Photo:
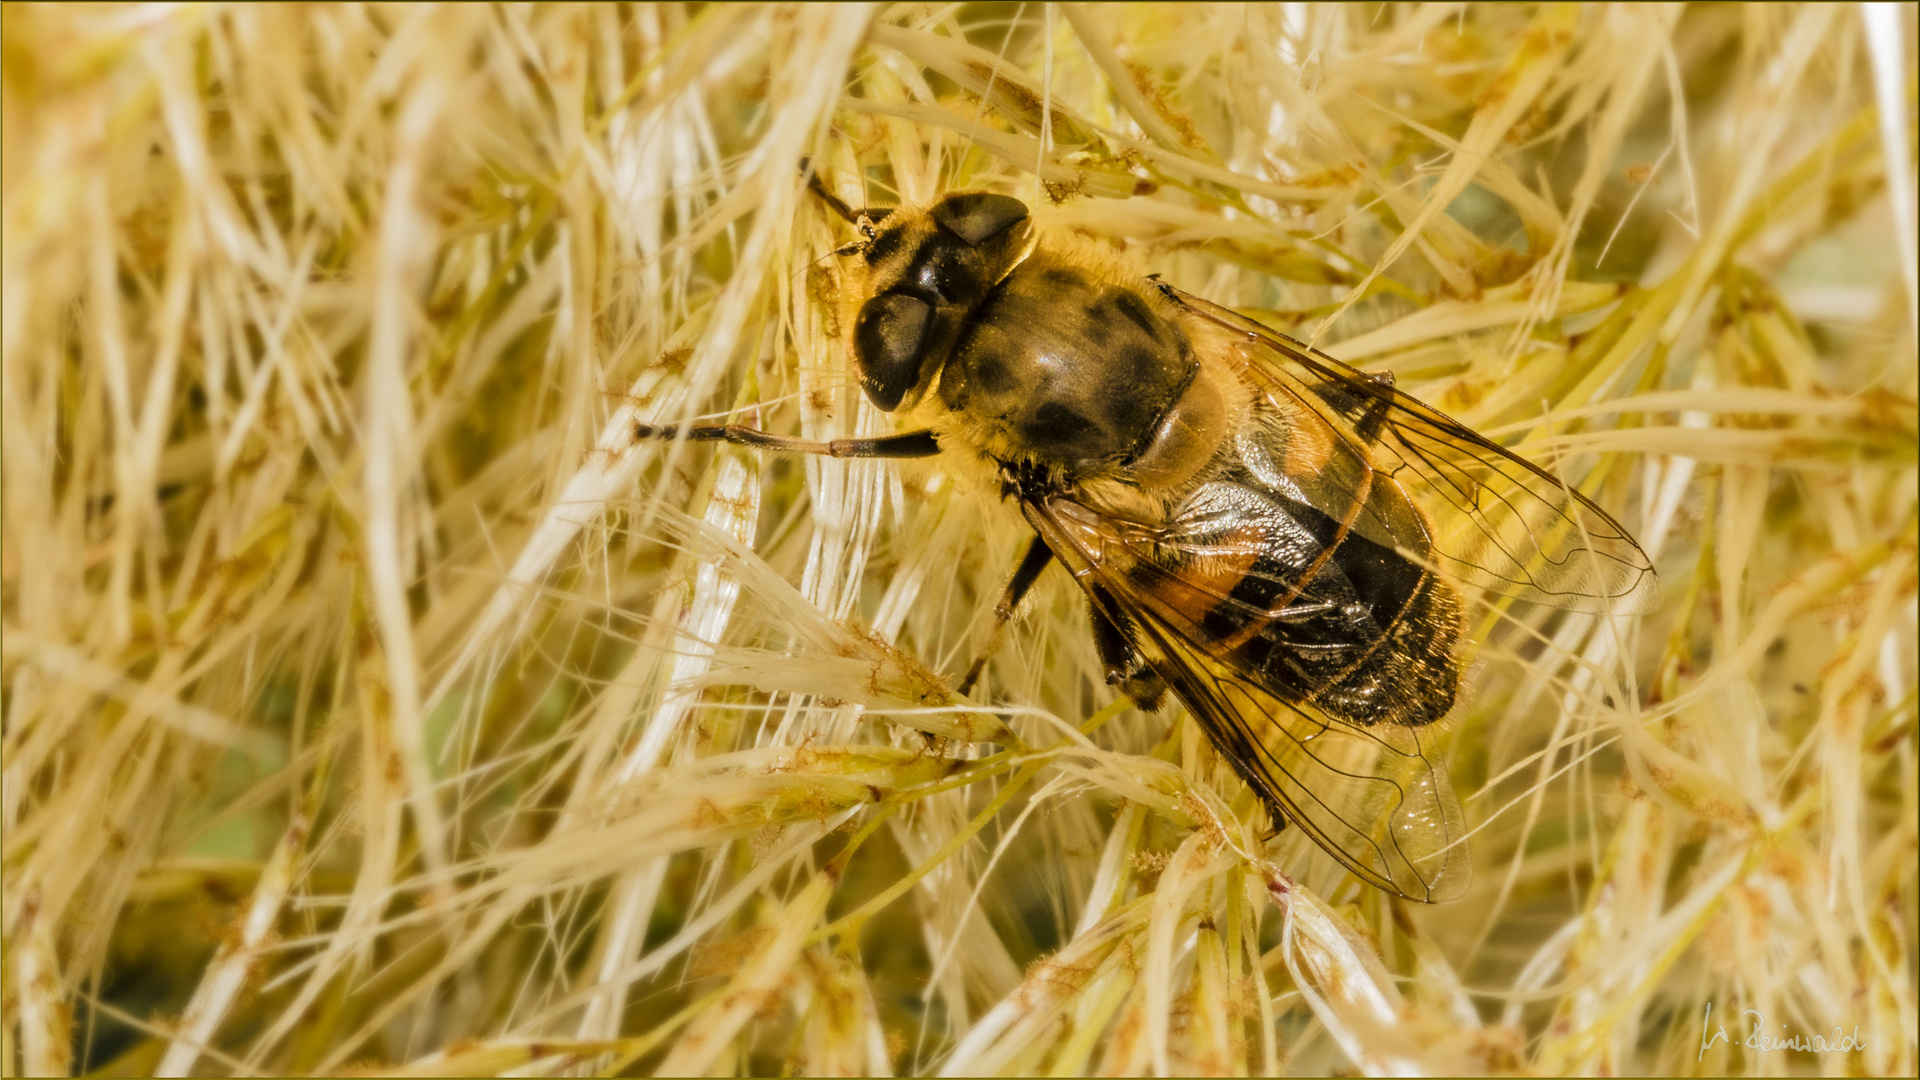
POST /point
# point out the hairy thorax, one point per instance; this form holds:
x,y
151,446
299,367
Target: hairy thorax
x,y
1076,368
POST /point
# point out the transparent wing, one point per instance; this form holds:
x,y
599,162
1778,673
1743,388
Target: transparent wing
x,y
1368,795
1318,590
1500,523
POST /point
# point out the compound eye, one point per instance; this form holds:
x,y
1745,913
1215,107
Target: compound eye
x,y
889,339
979,216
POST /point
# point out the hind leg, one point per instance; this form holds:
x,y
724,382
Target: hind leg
x,y
1035,560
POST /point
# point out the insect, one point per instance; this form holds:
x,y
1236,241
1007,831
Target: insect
x,y
1283,541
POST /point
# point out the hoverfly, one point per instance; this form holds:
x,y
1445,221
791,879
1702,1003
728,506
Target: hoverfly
x,y
1280,539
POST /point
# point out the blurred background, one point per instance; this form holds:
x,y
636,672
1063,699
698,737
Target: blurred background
x,y
373,702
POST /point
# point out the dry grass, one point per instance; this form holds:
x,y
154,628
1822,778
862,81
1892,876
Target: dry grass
x,y
371,702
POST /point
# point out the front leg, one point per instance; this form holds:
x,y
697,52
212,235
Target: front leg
x,y
907,444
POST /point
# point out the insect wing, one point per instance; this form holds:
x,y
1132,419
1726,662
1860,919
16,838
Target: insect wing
x,y
1369,796
1515,529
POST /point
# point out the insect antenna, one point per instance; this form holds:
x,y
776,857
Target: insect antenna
x,y
834,202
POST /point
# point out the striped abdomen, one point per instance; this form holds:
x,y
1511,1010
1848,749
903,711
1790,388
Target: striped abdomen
x,y
1359,629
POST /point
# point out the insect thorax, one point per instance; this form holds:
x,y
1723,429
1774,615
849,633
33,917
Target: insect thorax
x,y
1066,367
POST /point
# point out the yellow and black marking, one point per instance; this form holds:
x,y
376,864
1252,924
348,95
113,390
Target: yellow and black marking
x,y
1244,513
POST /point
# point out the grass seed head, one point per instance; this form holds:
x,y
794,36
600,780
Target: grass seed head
x,y
374,700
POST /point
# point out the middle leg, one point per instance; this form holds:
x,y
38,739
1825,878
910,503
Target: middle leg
x,y
1035,560
1126,668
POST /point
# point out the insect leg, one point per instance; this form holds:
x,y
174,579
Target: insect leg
x,y
1113,639
1035,560
907,444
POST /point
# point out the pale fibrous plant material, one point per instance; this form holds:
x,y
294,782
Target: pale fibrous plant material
x,y
375,701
